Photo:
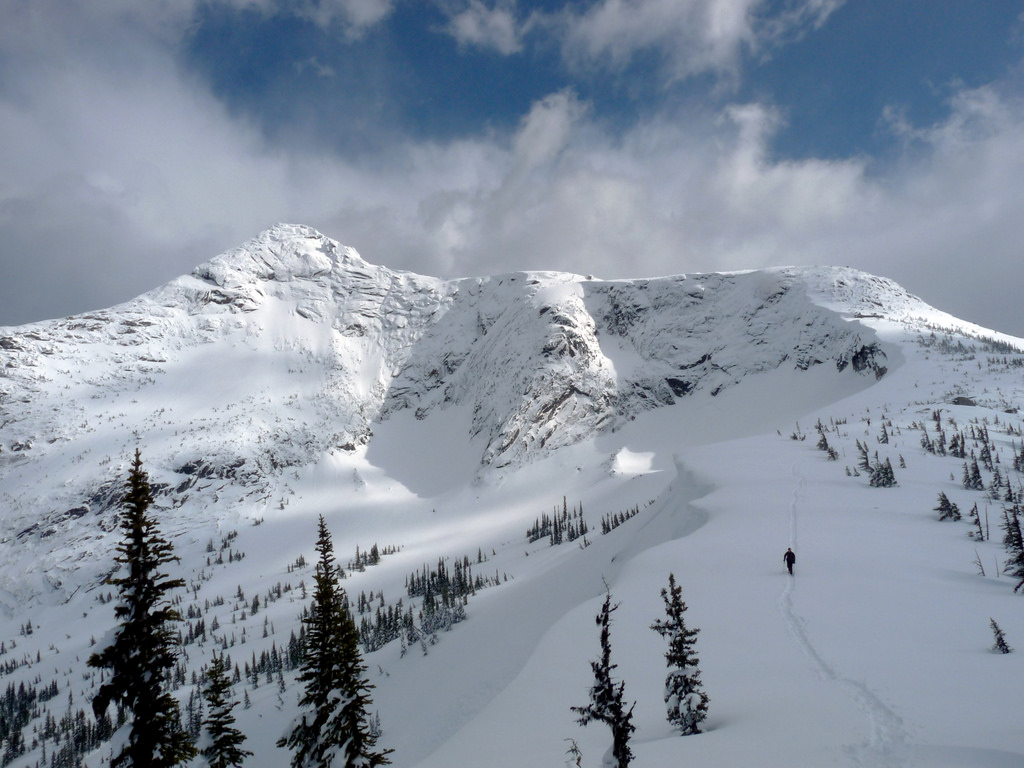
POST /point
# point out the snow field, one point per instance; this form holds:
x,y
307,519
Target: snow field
x,y
875,654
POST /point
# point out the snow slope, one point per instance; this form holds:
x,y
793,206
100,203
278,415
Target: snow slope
x,y
289,378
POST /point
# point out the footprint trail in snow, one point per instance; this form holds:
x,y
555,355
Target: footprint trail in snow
x,y
887,742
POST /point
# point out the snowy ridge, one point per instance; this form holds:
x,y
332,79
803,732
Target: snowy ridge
x,y
289,378
291,347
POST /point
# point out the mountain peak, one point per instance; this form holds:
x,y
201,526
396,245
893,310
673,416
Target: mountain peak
x,y
282,253
304,355
271,264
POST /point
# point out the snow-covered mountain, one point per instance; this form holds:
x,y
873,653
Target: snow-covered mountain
x,y
441,418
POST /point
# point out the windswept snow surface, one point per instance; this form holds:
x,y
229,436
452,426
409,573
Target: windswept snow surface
x,y
431,417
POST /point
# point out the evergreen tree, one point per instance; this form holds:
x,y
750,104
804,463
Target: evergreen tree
x,y
947,509
225,740
823,445
1000,643
975,516
685,698
926,442
607,700
995,486
986,455
822,439
975,482
143,651
864,463
1013,541
882,475
333,723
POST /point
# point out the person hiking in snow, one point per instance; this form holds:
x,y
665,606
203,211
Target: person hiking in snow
x,y
789,558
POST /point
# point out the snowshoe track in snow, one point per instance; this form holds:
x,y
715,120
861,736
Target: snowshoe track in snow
x,y
887,744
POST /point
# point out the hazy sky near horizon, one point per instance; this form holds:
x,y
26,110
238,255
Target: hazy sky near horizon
x,y
619,138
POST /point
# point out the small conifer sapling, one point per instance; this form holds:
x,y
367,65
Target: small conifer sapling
x,y
1000,643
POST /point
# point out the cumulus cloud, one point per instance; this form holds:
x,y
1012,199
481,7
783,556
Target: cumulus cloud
x,y
701,192
495,28
117,178
676,193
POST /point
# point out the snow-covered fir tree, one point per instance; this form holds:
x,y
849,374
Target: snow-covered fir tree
x,y
823,445
143,652
947,509
882,474
685,699
332,728
607,699
972,476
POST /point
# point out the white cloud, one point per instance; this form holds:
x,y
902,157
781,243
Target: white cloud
x,y
692,36
780,194
116,178
794,20
704,192
145,175
486,27
356,15
545,131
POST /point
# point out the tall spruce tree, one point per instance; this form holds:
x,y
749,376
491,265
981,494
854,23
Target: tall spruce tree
x,y
607,699
333,725
685,699
143,651
225,747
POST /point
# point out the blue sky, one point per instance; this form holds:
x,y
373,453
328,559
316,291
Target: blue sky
x,y
621,138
